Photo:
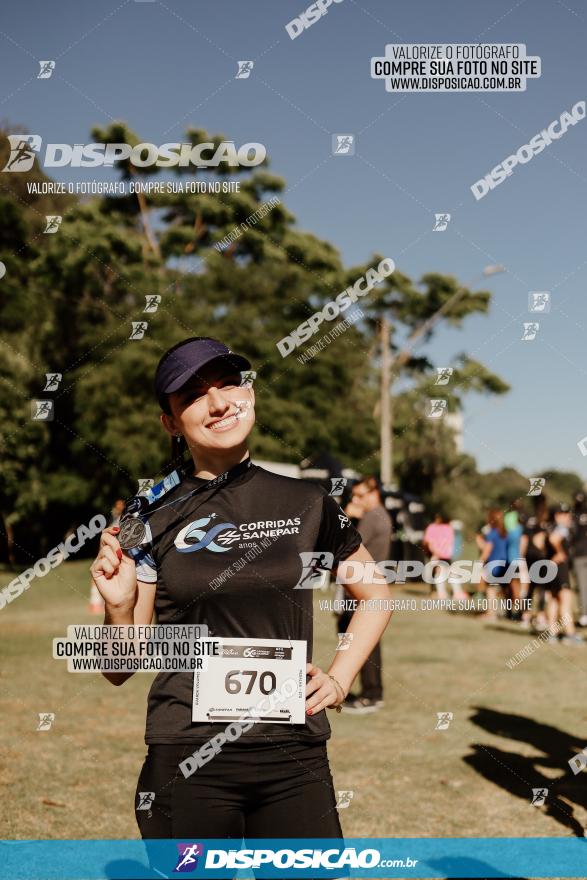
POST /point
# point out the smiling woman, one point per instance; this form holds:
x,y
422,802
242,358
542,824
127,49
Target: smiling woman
x,y
192,564
202,388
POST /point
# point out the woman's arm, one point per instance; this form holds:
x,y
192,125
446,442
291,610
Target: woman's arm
x,y
142,615
353,511
126,600
480,541
366,625
486,549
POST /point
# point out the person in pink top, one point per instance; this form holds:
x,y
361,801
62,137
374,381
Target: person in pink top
x,y
438,541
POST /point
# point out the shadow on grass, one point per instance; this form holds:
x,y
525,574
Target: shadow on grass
x,y
519,774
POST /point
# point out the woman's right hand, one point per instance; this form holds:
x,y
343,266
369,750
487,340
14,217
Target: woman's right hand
x,y
114,573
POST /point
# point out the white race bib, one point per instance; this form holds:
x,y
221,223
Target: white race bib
x,y
253,679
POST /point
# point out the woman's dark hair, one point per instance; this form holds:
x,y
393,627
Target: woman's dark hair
x,y
495,520
178,460
178,447
371,484
178,444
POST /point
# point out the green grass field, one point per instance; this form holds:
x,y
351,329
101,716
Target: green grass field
x,y
512,730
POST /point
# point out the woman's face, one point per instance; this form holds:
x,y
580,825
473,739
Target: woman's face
x,y
213,410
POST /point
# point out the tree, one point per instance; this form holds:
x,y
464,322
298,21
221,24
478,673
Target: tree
x,y
400,313
230,264
23,495
89,282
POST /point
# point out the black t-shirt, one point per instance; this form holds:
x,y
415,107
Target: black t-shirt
x,y
579,534
280,517
535,531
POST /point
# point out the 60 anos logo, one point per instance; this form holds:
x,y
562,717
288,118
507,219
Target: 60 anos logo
x,y
194,536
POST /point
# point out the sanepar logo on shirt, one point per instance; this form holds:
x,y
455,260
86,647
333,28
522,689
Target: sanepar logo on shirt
x,y
220,536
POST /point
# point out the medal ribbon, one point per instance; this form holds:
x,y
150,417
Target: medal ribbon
x,y
140,516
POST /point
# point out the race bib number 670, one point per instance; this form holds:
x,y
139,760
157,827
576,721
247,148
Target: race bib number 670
x,y
253,679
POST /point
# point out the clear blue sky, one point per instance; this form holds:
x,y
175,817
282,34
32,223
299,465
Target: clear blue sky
x,y
162,66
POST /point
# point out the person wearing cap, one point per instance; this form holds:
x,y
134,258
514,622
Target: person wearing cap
x,y
226,548
559,607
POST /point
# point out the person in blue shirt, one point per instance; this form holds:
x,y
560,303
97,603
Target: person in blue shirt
x,y
514,530
493,543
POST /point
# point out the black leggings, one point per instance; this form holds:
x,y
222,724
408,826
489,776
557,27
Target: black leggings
x,y
245,791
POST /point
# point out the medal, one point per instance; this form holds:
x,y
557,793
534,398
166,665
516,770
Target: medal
x,y
133,530
132,533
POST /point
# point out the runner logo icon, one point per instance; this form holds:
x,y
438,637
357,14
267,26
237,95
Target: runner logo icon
x,y
195,536
187,860
23,149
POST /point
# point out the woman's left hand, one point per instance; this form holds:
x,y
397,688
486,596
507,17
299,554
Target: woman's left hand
x,y
321,691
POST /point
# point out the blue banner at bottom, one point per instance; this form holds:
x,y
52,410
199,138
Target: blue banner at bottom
x,y
514,858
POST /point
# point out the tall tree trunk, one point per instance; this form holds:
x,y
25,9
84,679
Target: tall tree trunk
x,y
9,541
144,209
386,444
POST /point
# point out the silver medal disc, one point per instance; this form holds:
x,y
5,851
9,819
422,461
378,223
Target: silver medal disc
x,y
132,533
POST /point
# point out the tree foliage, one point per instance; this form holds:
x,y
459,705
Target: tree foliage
x,y
68,300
